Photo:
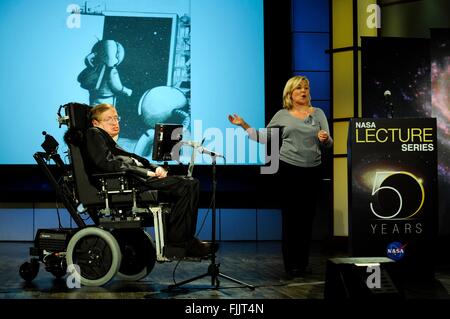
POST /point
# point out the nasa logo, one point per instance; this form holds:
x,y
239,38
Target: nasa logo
x,y
365,125
395,250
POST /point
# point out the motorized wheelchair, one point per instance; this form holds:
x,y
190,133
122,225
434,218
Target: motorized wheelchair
x,y
116,242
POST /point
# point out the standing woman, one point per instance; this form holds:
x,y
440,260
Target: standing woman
x,y
304,132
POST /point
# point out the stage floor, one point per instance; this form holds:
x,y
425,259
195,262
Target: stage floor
x,y
256,263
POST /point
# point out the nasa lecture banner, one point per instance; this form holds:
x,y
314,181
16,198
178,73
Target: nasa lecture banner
x,y
393,185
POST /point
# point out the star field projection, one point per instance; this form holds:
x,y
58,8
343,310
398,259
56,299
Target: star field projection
x,y
147,44
147,41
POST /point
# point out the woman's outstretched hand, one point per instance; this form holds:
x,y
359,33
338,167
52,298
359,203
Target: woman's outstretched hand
x,y
236,119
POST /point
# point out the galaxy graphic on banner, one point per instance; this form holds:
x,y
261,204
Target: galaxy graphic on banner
x,y
393,182
417,74
440,84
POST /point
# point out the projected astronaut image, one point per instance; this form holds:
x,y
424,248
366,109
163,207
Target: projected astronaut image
x,y
100,77
142,57
142,66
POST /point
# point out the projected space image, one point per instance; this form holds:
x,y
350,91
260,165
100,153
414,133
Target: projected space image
x,y
140,56
132,67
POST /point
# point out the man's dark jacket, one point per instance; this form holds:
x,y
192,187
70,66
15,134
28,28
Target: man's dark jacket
x,y
106,156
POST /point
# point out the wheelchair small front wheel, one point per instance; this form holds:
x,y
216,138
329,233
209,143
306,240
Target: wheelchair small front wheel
x,y
97,255
29,270
138,253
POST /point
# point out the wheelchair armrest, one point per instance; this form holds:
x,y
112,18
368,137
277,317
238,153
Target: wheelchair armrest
x,y
113,182
109,175
117,183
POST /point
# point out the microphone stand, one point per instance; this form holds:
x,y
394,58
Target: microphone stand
x,y
213,268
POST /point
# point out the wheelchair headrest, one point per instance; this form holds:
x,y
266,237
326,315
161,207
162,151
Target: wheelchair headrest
x,y
74,136
78,115
79,122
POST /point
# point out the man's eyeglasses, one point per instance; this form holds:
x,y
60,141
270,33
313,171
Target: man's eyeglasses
x,y
111,119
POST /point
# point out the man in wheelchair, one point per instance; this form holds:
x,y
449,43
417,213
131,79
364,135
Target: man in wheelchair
x,y
104,155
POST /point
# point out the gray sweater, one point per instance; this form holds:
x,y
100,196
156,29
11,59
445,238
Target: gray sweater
x,y
300,144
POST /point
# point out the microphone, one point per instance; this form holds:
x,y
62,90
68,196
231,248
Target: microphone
x,y
204,150
192,143
389,105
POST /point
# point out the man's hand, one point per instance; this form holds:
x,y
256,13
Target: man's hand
x,y
160,172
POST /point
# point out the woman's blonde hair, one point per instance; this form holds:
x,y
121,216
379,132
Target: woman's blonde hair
x,y
290,86
97,110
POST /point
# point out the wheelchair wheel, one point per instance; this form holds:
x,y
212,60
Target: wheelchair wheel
x,y
29,270
55,264
138,253
96,253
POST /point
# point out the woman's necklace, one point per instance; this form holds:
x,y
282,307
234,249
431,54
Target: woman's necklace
x,y
306,111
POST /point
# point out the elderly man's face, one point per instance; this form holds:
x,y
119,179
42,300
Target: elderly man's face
x,y
109,121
